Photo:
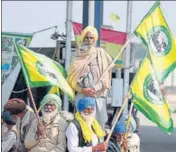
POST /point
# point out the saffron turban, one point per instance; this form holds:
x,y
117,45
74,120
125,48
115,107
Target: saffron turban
x,y
51,98
85,102
121,125
89,29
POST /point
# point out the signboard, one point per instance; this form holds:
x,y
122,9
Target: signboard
x,y
9,56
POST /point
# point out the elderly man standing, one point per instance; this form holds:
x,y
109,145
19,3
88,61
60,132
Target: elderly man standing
x,y
84,134
52,126
25,115
87,67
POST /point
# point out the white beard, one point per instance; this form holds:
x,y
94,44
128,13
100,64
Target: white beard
x,y
48,116
88,117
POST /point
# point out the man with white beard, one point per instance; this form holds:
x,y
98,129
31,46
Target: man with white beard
x,y
88,65
84,133
52,125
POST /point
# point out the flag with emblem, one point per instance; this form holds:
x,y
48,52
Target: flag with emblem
x,y
148,99
55,89
156,35
40,70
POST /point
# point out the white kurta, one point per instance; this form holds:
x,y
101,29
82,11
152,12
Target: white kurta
x,y
73,140
9,141
133,142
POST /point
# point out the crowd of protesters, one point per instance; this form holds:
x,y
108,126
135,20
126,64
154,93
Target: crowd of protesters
x,y
81,131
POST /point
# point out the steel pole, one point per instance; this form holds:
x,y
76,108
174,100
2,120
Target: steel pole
x,y
91,13
98,19
68,47
85,15
132,57
127,53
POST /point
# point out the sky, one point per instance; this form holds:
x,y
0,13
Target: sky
x,y
32,16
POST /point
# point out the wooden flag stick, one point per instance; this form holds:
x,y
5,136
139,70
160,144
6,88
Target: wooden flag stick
x,y
35,109
112,63
128,124
118,116
27,83
129,120
33,103
39,109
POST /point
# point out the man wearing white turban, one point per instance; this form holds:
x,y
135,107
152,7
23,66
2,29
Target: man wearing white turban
x,y
52,125
87,67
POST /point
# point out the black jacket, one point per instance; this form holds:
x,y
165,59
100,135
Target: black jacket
x,y
113,146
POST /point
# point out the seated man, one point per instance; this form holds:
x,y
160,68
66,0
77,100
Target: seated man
x,y
25,115
49,136
10,137
84,133
118,141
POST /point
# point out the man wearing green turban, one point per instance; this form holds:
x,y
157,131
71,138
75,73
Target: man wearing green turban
x,y
52,126
88,65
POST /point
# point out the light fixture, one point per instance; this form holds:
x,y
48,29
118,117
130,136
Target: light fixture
x,y
55,36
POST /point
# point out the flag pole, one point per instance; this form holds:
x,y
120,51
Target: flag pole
x,y
118,116
112,63
129,120
128,123
28,86
35,108
33,103
68,47
27,82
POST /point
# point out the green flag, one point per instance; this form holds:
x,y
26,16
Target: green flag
x,y
156,35
148,99
40,70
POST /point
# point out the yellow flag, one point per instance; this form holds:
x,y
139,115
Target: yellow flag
x,y
148,99
156,35
54,90
40,70
114,17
